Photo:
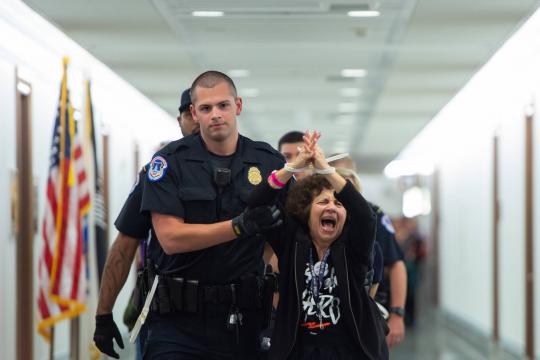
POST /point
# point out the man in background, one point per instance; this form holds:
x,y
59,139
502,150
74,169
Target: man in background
x,y
132,226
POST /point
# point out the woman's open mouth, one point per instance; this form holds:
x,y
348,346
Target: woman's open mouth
x,y
328,223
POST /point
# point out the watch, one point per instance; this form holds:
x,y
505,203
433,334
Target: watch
x,y
397,310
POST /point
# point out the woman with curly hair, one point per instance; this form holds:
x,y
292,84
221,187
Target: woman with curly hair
x,y
324,251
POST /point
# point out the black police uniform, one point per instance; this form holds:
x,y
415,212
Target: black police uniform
x,y
390,249
192,308
131,221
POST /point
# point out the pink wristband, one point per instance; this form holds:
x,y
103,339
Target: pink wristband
x,y
273,178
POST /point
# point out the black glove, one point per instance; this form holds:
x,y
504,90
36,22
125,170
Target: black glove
x,y
257,220
106,331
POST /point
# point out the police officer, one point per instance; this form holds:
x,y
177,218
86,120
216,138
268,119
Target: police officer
x,y
392,290
132,226
205,248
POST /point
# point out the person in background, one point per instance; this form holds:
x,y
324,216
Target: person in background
x,y
392,291
132,226
375,278
413,245
289,145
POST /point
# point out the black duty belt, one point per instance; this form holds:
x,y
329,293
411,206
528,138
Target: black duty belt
x,y
177,294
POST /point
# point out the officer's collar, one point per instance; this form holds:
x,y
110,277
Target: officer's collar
x,y
195,149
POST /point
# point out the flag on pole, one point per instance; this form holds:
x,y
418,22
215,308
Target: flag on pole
x,y
99,233
62,284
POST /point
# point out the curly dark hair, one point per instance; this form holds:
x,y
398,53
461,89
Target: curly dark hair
x,y
301,195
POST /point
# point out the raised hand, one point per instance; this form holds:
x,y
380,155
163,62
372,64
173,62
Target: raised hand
x,y
310,139
319,160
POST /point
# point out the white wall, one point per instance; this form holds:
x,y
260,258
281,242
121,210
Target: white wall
x,y
459,140
34,48
383,192
7,241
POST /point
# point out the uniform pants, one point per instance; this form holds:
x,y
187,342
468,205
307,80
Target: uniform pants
x,y
190,337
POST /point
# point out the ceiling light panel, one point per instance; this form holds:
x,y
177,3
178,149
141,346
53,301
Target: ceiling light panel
x,y
207,13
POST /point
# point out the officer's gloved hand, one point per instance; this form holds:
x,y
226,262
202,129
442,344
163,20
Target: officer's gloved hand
x,y
106,331
257,220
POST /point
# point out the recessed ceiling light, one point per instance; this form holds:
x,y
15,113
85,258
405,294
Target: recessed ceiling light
x,y
249,92
355,73
205,13
363,13
350,92
238,73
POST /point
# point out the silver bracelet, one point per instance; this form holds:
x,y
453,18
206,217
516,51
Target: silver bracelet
x,y
326,171
293,170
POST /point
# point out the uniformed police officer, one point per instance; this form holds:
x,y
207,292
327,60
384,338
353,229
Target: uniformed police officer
x,y
392,291
132,226
205,247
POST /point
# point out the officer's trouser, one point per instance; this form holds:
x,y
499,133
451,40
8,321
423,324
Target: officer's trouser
x,y
202,336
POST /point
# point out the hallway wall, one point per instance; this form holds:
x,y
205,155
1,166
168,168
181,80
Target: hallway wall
x,y
460,141
33,49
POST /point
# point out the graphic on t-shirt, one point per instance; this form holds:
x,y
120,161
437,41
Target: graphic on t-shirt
x,y
325,313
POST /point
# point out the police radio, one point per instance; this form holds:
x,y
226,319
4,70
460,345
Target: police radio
x,y
222,177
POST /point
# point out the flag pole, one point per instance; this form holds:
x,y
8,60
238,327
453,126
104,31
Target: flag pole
x,y
51,343
74,339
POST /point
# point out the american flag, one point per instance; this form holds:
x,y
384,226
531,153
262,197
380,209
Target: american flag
x,y
62,282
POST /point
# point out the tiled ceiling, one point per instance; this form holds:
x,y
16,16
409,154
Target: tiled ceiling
x,y
417,54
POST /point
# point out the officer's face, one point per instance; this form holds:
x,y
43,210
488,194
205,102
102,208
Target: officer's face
x,y
290,152
326,217
215,110
187,124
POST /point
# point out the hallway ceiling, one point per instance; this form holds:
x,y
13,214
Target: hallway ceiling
x,y
417,55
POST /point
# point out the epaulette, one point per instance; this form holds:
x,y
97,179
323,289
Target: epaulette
x,y
269,149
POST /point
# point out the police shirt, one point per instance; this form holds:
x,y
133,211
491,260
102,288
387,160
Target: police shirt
x,y
390,249
130,221
181,182
386,238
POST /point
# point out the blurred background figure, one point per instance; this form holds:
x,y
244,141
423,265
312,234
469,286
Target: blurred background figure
x,y
413,245
392,290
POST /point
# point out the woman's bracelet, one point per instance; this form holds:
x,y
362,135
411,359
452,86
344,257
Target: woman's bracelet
x,y
288,168
274,180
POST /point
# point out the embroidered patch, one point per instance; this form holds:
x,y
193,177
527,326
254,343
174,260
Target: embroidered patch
x,y
387,223
254,176
157,168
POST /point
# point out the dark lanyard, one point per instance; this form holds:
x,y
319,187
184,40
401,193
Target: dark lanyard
x,y
317,278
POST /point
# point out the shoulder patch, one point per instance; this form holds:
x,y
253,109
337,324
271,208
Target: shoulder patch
x,y
157,168
387,223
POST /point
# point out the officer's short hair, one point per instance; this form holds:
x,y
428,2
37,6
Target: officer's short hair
x,y
209,79
290,138
302,193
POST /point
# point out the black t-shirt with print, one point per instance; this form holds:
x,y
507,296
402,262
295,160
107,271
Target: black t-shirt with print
x,y
324,324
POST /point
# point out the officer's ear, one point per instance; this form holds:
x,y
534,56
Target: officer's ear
x,y
238,103
193,113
